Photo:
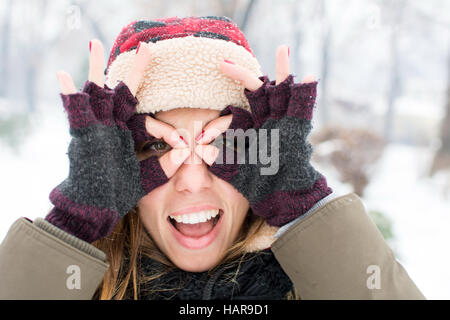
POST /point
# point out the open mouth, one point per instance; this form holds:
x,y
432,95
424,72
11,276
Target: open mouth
x,y
196,230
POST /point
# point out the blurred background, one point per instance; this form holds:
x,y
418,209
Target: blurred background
x,y
381,127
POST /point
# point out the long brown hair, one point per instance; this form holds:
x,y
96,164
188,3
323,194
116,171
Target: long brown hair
x,y
129,240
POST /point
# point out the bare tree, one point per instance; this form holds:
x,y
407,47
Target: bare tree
x,y
297,35
93,23
441,159
34,50
396,9
245,18
326,48
353,152
4,53
229,8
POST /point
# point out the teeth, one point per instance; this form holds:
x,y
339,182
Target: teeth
x,y
196,217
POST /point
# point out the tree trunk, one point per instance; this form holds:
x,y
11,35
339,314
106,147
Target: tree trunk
x,y
4,53
396,19
441,159
30,86
324,77
245,18
295,63
326,41
394,87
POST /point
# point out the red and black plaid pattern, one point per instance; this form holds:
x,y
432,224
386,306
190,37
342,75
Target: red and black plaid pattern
x,y
166,28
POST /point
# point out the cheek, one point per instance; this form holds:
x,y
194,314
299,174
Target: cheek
x,y
232,196
150,208
236,204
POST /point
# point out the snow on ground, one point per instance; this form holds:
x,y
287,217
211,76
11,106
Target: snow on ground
x,y
399,188
28,177
420,211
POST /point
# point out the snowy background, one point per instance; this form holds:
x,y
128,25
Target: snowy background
x,y
383,67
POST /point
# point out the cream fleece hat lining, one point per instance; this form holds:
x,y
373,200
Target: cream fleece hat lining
x,y
184,72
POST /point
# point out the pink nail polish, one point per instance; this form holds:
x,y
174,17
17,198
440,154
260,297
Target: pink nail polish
x,y
183,139
200,135
288,51
90,45
228,62
137,49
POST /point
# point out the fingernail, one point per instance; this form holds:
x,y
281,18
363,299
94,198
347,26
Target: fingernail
x,y
200,135
90,45
137,49
228,62
185,144
288,51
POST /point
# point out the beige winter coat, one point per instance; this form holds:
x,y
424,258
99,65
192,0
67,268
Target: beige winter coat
x,y
336,252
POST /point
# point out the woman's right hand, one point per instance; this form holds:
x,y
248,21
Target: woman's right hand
x,y
106,178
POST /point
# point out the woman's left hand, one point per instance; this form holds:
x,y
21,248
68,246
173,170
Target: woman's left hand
x,y
252,83
282,110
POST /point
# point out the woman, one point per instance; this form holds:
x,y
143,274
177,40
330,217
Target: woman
x,y
190,179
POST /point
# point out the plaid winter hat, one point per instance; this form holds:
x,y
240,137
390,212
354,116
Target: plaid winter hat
x,y
184,65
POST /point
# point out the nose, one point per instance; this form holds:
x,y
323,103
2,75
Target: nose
x,y
193,175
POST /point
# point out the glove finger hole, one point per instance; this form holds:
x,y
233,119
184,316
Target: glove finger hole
x,y
78,110
136,124
279,97
258,101
302,100
124,104
241,118
101,103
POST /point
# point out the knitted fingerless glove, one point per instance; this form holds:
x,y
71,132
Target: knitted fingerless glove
x,y
105,177
296,186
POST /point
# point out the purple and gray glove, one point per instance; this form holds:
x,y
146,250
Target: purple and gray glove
x,y
105,178
296,186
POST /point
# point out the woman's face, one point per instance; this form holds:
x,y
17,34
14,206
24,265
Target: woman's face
x,y
192,195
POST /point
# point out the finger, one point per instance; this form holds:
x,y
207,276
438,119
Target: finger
x,y
96,63
282,63
66,82
213,129
309,79
171,161
208,153
159,129
241,74
140,63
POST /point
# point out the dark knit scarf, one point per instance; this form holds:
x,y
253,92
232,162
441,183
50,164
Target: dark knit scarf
x,y
256,276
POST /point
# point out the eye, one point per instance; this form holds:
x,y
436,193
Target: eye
x,y
152,148
158,146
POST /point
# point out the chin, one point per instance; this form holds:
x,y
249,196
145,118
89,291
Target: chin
x,y
196,262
